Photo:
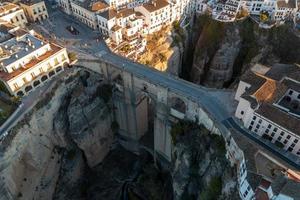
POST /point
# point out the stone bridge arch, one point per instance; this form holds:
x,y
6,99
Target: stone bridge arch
x,y
178,106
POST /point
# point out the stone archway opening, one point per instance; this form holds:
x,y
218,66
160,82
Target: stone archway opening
x,y
146,112
178,104
65,65
51,73
20,93
44,78
28,88
36,83
58,69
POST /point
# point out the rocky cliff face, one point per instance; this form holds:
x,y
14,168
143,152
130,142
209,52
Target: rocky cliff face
x,y
215,54
68,128
200,168
224,51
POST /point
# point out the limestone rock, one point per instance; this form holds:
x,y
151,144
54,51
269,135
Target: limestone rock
x,y
200,168
31,162
213,69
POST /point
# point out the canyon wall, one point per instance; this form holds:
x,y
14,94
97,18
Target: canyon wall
x,y
67,129
224,51
200,169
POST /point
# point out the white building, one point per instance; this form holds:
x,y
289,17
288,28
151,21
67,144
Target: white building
x,y
84,10
35,10
27,61
157,14
125,29
285,9
13,14
269,104
118,3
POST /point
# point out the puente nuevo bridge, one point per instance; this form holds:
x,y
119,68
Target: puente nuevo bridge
x,y
173,98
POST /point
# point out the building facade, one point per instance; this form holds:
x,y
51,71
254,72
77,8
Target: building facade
x,y
13,14
269,105
26,61
35,10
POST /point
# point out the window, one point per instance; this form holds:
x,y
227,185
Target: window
x,y
282,133
267,130
293,145
252,122
288,137
242,112
279,138
16,86
296,140
285,141
257,126
272,134
290,149
255,130
269,126
63,57
17,18
22,16
275,129
260,121
250,128
290,92
245,194
254,118
34,12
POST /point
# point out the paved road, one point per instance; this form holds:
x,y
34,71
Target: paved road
x,y
291,159
192,91
198,94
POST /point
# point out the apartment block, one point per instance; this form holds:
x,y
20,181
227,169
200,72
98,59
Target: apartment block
x,y
35,10
269,104
13,14
26,60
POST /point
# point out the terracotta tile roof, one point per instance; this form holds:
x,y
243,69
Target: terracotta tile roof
x,y
261,195
125,12
8,76
6,7
97,6
266,91
254,80
108,14
155,5
265,184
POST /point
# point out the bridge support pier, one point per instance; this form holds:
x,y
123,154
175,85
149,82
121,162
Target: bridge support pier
x,y
131,113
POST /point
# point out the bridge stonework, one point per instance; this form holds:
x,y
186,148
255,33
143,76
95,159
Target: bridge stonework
x,y
131,96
